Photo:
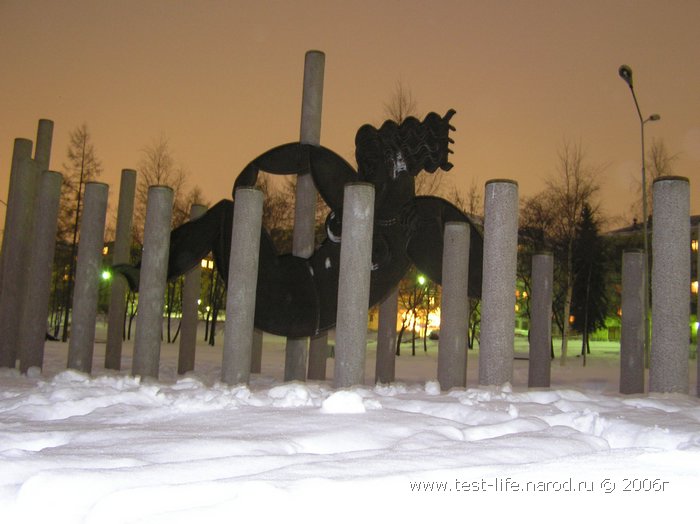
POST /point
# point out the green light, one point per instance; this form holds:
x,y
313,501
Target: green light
x,y
106,275
421,280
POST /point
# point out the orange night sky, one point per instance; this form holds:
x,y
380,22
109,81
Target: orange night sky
x,y
221,80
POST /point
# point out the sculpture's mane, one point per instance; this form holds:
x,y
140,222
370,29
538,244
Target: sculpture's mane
x,y
409,147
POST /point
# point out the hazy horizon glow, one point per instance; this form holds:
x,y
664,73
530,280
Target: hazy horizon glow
x,y
222,82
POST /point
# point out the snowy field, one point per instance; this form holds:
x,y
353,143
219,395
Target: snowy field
x,y
111,448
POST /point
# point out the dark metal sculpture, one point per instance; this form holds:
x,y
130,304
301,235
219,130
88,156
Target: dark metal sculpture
x,y
297,297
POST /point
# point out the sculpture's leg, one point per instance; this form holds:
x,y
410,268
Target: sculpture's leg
x,y
191,242
427,223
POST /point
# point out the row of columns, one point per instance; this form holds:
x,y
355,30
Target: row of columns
x,y
33,200
669,371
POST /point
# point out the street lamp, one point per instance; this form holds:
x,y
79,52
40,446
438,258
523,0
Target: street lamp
x,y
625,73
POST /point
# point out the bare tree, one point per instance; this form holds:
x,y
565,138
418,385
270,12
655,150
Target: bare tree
x,y
550,219
158,167
471,203
659,162
401,105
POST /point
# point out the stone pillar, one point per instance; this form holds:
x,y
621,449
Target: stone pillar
x,y
17,222
303,242
153,281
121,252
454,321
541,321
190,317
44,138
385,369
632,336
498,290
318,353
35,307
87,277
353,285
242,286
670,286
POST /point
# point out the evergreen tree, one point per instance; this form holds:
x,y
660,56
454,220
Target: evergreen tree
x,y
589,301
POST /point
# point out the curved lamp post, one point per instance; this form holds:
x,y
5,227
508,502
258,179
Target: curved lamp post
x,y
625,73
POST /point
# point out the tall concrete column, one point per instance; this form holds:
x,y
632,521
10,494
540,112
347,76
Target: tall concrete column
x,y
353,285
385,368
540,361
303,241
153,281
190,318
242,286
120,255
17,187
44,138
670,286
498,290
35,307
632,336
20,204
87,277
454,307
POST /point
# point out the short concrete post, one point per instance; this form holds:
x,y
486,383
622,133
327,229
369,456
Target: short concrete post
x,y
632,335
120,255
87,277
498,294
670,286
353,286
17,223
44,138
35,307
385,368
303,242
540,358
454,307
296,354
318,354
190,317
242,286
153,281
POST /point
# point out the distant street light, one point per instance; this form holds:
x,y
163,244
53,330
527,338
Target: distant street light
x,y
625,73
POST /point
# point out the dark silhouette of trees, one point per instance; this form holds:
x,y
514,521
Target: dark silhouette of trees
x,y
549,220
589,304
415,293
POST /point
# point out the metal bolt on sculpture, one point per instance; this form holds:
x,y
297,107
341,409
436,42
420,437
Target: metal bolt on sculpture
x,y
297,297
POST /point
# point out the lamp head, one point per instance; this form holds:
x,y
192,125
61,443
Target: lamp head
x,y
625,73
655,117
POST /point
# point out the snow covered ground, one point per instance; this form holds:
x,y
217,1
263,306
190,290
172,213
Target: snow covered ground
x,y
111,448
